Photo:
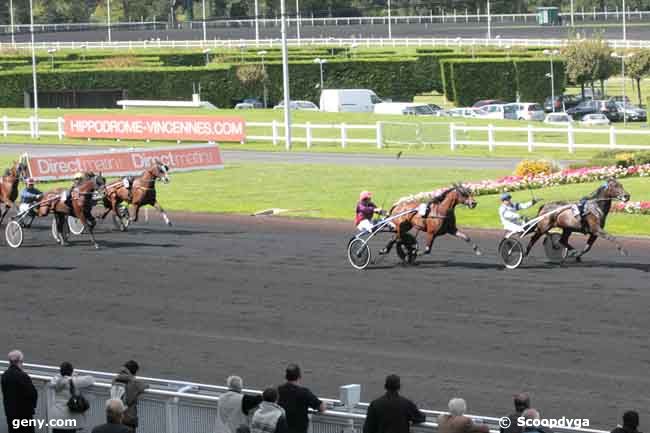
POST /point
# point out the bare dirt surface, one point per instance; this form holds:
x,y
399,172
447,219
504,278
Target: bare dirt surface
x,y
217,295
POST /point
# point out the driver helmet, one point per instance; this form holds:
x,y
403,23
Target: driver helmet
x,y
29,181
78,175
365,195
506,196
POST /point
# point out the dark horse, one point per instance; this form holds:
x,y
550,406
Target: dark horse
x,y
9,187
592,223
439,219
143,192
77,201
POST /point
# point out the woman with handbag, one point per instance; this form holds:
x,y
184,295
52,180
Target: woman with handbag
x,y
68,407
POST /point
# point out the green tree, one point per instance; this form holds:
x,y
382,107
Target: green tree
x,y
637,67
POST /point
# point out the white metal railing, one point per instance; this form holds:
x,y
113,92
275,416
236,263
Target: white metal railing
x,y
492,142
172,406
341,42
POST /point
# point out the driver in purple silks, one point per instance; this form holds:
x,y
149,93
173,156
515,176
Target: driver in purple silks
x,y
366,209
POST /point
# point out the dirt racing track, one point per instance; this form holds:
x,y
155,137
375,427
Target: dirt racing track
x,y
216,295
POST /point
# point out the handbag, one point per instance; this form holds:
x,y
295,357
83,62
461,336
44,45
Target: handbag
x,y
77,403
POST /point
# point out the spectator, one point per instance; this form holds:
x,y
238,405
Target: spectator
x,y
114,418
522,402
392,413
62,385
269,417
128,389
296,401
630,423
457,422
234,407
533,414
18,393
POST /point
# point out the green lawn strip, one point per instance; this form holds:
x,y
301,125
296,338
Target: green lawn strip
x,y
328,191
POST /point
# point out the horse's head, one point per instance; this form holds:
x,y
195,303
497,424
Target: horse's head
x,y
465,196
20,169
612,189
159,171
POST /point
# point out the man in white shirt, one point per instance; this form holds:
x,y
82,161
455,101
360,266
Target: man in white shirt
x,y
510,219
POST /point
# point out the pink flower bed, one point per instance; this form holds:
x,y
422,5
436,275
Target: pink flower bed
x,y
636,207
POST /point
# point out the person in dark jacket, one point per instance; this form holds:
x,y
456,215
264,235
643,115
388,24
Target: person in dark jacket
x,y
269,416
630,423
296,400
522,402
18,394
133,388
114,417
392,413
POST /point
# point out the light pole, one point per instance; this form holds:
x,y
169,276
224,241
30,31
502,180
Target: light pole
x,y
11,18
321,62
31,30
285,76
257,23
623,57
262,54
572,23
298,20
108,18
390,28
624,27
489,21
205,30
552,75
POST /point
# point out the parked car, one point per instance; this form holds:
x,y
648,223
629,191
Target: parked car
x,y
528,111
468,112
298,105
558,119
435,107
408,108
500,111
632,112
608,108
484,102
244,106
348,100
562,103
620,99
595,119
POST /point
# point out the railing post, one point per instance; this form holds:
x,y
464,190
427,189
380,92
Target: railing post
x,y
530,138
612,137
59,126
308,134
571,138
491,137
344,136
171,415
274,132
452,137
31,126
379,134
5,126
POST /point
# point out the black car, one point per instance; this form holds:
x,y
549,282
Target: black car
x,y
608,108
562,103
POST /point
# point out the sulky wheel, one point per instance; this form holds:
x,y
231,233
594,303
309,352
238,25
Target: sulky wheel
x,y
358,253
14,234
121,218
75,225
511,253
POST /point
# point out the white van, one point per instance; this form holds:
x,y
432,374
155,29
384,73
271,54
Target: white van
x,y
348,100
406,108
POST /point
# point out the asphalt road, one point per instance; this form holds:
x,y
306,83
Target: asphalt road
x,y
216,295
610,30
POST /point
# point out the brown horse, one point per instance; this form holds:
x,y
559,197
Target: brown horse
x,y
143,193
592,223
9,187
77,201
439,219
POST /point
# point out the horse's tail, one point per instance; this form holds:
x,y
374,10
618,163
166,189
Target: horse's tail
x,y
390,212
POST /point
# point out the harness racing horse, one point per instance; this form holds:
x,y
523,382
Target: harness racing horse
x,y
77,201
596,208
143,193
9,187
439,219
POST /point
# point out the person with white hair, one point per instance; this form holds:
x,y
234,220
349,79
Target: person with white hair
x,y
457,422
114,416
18,393
235,408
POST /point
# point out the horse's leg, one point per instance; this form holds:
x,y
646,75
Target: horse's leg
x,y
564,241
585,250
162,212
466,238
603,234
389,245
428,242
538,234
136,212
4,212
60,221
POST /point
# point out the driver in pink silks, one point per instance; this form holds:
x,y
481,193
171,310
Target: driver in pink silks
x,y
366,209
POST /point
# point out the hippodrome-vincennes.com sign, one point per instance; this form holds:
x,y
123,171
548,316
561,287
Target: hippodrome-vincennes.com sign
x,y
154,127
124,162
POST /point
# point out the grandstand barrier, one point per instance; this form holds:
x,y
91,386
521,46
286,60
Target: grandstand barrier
x,y
172,406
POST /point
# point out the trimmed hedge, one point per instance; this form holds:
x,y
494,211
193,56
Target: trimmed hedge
x,y
532,83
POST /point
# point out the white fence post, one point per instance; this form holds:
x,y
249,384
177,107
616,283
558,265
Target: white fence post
x,y
571,138
531,138
612,137
274,132
31,126
380,135
308,134
5,126
344,135
59,126
491,137
452,137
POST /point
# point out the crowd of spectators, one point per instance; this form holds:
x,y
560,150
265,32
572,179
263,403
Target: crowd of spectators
x,y
281,409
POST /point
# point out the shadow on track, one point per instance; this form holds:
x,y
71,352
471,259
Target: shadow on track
x,y
10,268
